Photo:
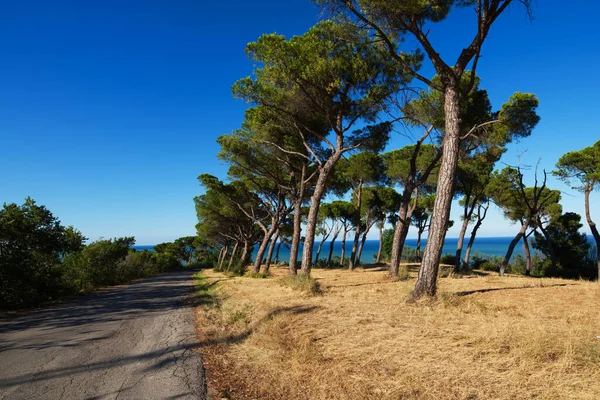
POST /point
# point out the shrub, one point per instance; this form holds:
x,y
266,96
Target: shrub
x,y
448,259
302,283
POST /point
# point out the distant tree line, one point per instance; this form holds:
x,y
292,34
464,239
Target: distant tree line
x,y
322,108
42,260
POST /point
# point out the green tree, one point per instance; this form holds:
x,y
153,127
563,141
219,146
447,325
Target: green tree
x,y
581,170
267,147
32,244
221,218
336,72
411,167
562,239
391,22
365,168
520,203
421,216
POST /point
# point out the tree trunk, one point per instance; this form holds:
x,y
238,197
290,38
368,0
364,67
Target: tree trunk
x,y
244,257
331,244
343,255
418,249
277,252
512,246
427,278
320,248
468,213
592,225
271,250
233,252
397,243
222,256
470,245
313,212
352,262
361,246
527,252
295,237
263,246
480,219
551,250
378,259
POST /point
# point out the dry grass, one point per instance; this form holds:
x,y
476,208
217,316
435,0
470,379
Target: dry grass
x,y
360,339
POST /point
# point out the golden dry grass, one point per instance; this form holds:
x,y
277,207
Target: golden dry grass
x,y
360,339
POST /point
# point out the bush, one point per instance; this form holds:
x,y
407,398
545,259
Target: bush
x,y
302,283
485,262
448,259
32,244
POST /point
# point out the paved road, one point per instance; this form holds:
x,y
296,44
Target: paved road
x,y
134,341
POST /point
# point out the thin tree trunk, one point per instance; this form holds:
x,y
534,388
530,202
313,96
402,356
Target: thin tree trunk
x,y
427,279
369,225
592,225
527,252
468,213
295,237
378,259
331,244
343,255
277,252
418,249
360,247
480,219
313,212
222,256
271,250
397,243
233,252
263,247
244,257
512,246
357,221
320,248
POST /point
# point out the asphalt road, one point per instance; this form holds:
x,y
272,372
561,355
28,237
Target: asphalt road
x,y
135,341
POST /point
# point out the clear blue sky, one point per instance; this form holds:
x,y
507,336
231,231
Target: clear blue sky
x,y
109,110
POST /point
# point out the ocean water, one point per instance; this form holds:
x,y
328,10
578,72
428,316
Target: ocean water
x,y
489,246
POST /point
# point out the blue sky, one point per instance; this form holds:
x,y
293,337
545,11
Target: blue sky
x,y
110,110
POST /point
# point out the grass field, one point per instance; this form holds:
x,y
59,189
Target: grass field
x,y
483,337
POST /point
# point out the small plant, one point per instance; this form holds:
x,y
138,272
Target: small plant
x,y
302,283
239,316
448,259
258,275
403,272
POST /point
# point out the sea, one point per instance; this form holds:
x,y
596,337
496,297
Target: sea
x,y
489,246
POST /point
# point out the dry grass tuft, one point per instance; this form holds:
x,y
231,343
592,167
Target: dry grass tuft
x,y
302,283
482,338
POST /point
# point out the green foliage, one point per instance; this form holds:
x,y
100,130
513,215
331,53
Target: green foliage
x,y
331,70
519,202
112,261
486,262
448,259
398,166
570,246
580,168
32,244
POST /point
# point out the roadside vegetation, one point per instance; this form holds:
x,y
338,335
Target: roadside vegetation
x,y
41,260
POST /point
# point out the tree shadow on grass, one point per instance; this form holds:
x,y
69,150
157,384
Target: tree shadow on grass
x,y
469,292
